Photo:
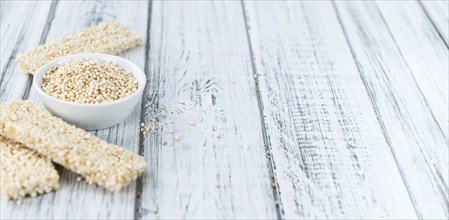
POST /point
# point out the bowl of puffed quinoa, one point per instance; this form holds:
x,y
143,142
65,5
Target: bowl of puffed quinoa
x,y
90,91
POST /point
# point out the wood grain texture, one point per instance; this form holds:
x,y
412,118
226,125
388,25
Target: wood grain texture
x,y
416,139
426,54
350,98
331,157
199,55
19,33
438,12
78,200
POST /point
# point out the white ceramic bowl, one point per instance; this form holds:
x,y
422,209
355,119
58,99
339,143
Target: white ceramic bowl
x,y
91,116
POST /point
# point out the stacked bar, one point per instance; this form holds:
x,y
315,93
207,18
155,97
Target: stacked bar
x,y
99,162
24,171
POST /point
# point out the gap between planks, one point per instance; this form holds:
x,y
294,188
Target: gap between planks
x,y
186,57
434,22
271,162
139,184
42,40
386,48
115,135
376,110
12,85
410,69
383,201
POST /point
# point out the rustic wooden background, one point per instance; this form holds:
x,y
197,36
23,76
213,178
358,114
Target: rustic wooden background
x,y
284,109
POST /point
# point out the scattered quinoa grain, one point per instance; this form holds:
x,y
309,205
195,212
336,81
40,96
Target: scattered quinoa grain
x,y
268,154
277,203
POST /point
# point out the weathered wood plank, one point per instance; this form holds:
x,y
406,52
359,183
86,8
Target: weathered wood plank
x,y
438,12
416,138
78,200
425,53
331,157
199,54
19,33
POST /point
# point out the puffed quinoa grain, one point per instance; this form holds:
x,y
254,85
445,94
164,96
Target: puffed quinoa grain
x,y
89,81
109,37
98,162
24,171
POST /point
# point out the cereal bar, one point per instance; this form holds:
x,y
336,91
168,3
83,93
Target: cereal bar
x,y
106,164
24,171
109,37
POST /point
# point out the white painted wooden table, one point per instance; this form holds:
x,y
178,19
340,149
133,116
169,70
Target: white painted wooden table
x,y
349,99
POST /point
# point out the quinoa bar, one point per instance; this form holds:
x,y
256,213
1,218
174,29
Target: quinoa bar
x,y
24,171
109,37
105,164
